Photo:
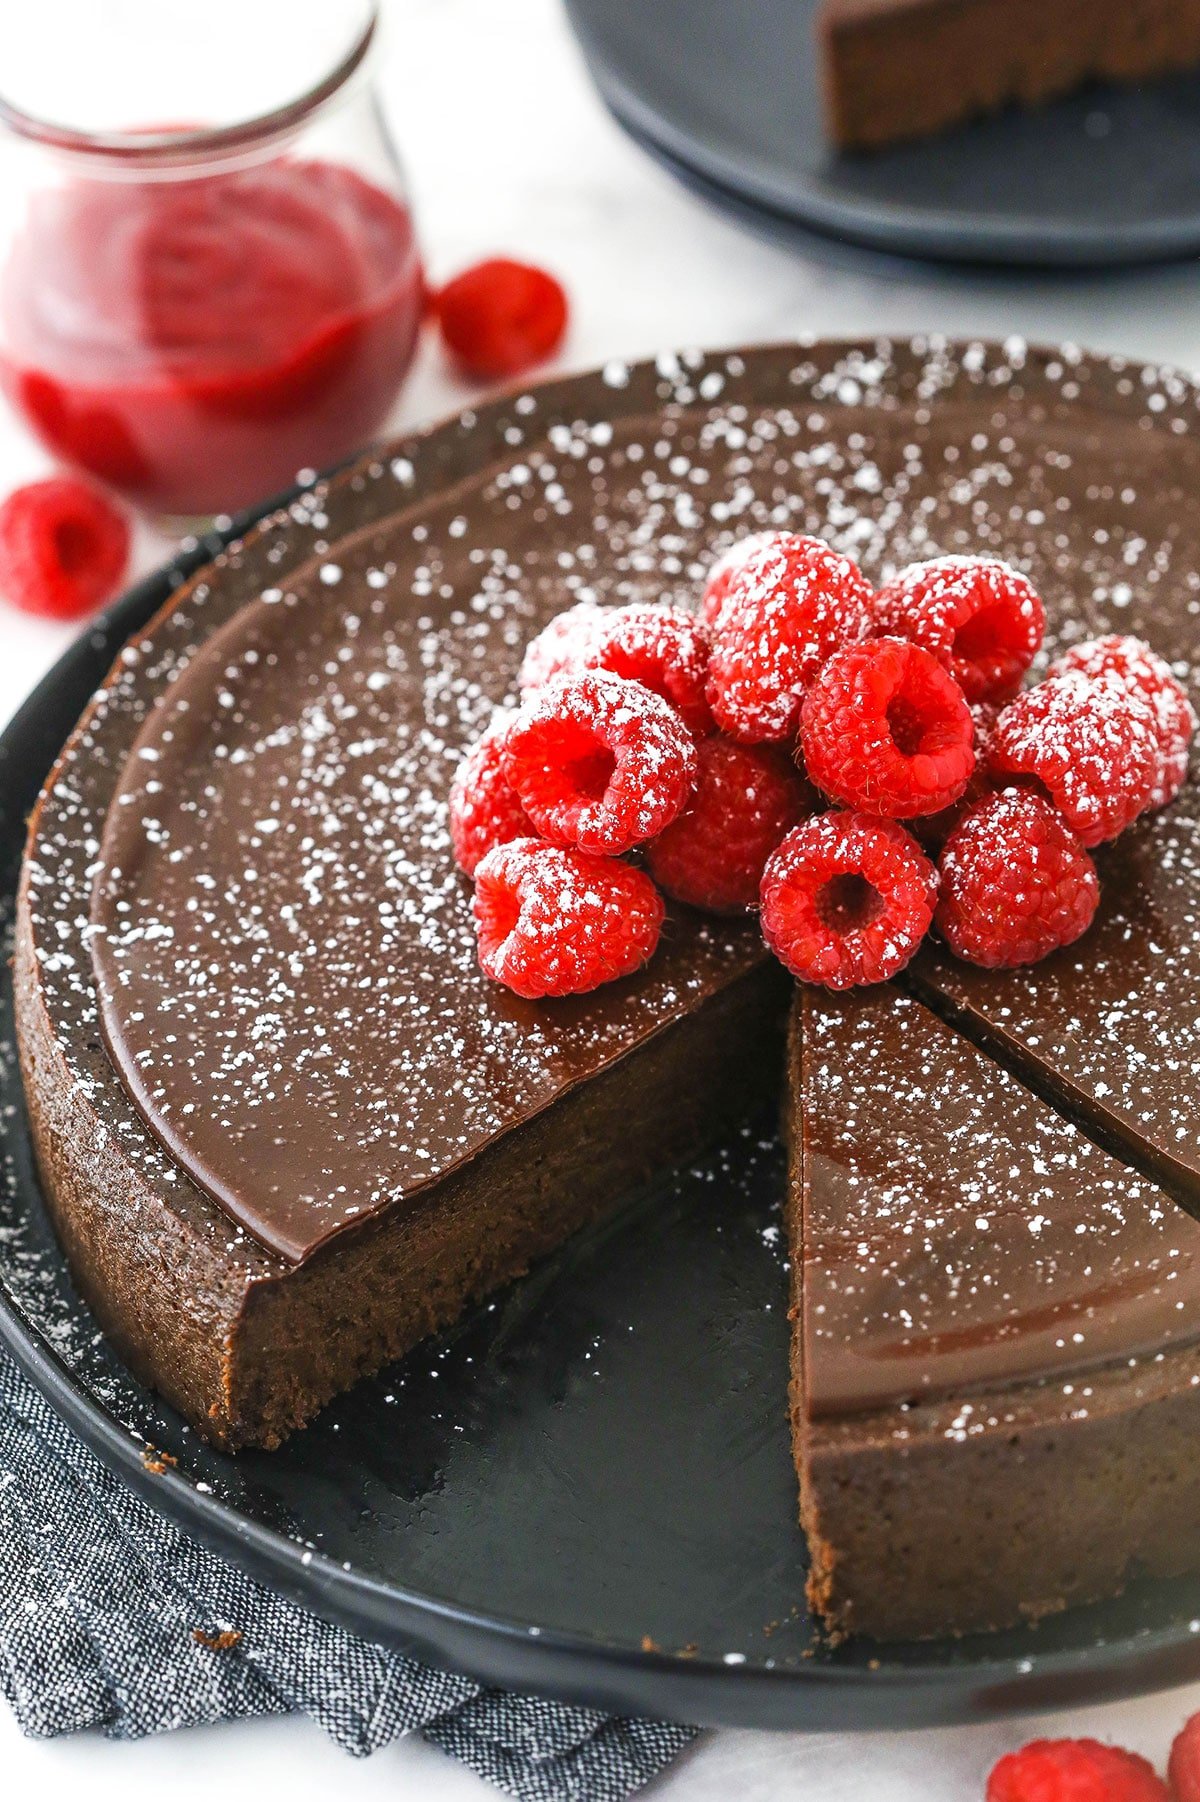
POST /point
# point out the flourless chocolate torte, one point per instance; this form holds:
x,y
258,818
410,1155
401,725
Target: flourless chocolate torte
x,y
286,1128
901,69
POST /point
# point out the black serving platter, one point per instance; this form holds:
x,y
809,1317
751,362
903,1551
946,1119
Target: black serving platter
x,y
728,96
587,1488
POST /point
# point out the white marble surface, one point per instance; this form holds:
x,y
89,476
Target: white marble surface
x,y
509,149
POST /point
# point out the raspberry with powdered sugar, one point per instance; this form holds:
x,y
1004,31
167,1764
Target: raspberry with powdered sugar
x,y
747,798
1131,662
552,921
484,810
885,728
560,646
847,899
665,649
1016,883
1091,743
791,605
980,618
599,762
728,566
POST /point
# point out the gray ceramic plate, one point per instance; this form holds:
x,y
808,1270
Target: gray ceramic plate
x,y
587,1488
728,95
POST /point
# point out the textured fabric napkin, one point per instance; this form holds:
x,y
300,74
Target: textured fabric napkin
x,y
110,1617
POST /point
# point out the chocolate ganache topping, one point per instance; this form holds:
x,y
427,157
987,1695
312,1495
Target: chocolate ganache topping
x,y
284,965
287,963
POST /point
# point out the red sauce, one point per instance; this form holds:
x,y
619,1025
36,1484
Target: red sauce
x,y
195,343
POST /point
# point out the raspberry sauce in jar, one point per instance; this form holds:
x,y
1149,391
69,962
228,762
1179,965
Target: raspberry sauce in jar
x,y
194,315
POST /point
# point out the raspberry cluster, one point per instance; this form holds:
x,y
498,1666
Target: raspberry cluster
x,y
658,752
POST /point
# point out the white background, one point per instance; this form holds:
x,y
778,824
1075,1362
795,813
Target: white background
x,y
508,149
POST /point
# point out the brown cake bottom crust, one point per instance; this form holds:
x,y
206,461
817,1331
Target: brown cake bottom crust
x,y
251,1347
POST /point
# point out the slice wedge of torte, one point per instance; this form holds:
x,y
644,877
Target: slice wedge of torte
x,y
996,1367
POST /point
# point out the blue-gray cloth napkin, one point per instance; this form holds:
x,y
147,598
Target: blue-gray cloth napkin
x,y
111,1617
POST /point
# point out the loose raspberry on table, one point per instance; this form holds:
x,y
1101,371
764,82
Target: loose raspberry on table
x,y
63,548
790,606
501,317
1091,743
552,921
1015,882
1183,1766
1131,660
846,899
484,811
727,566
560,646
746,799
1074,1770
885,729
663,648
981,619
599,762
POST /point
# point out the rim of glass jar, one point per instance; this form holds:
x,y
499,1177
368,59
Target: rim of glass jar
x,y
171,148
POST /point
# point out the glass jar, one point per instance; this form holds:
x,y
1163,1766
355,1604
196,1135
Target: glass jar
x,y
209,276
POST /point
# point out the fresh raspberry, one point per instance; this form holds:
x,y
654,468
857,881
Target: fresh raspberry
x,y
790,606
483,808
1183,1766
747,798
980,618
720,576
1074,1770
499,317
1091,742
885,729
560,646
600,762
1015,882
933,829
846,899
63,548
557,922
663,648
1130,660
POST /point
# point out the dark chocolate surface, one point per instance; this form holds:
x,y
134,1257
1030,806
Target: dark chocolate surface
x,y
413,611
955,1227
1112,1024
287,964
